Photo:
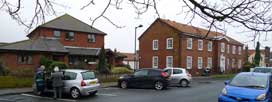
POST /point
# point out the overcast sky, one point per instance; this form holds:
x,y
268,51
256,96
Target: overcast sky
x,y
121,39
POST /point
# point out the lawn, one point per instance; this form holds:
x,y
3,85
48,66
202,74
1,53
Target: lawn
x,y
14,82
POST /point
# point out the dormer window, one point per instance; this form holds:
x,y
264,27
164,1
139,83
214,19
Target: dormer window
x,y
69,36
91,38
56,34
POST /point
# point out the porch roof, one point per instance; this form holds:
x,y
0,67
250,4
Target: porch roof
x,y
82,51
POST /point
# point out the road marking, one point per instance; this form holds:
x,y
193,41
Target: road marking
x,y
6,100
35,96
106,94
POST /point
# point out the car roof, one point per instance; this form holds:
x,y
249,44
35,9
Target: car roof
x,y
75,70
254,74
151,69
264,67
174,68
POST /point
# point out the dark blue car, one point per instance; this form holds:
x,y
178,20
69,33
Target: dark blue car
x,y
247,87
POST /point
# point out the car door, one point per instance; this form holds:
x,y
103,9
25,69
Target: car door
x,y
153,75
139,78
170,73
69,80
177,76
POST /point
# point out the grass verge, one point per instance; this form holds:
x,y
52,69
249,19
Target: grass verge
x,y
223,76
14,82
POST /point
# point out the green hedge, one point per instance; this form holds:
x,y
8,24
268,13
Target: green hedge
x,y
23,72
61,65
15,82
121,70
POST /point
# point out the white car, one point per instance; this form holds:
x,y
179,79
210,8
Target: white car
x,y
179,76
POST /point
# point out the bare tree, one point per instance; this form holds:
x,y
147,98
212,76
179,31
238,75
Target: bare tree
x,y
255,15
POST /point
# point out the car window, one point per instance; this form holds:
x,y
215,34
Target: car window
x,y
141,73
88,75
154,73
263,70
70,75
249,81
168,71
177,71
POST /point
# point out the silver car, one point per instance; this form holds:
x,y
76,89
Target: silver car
x,y
77,82
179,76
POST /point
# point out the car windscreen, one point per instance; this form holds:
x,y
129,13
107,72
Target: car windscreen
x,y
88,75
263,70
249,81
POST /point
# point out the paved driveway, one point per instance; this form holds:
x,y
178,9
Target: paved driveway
x,y
202,91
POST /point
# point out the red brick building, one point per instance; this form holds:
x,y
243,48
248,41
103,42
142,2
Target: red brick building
x,y
65,39
171,44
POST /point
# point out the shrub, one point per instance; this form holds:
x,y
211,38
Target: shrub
x,y
3,69
23,72
121,70
124,65
45,61
15,82
247,66
61,65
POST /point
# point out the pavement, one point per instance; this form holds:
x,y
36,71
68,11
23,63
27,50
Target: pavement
x,y
199,91
14,91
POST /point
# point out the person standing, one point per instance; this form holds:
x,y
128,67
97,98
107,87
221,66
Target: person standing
x,y
39,79
57,82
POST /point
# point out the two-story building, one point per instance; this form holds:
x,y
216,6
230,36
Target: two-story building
x,y
65,39
171,44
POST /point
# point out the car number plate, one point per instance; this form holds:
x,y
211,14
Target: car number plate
x,y
93,82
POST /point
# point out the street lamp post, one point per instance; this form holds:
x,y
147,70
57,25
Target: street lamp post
x,y
135,51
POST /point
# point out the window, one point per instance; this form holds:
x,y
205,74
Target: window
x,y
189,62
169,43
91,38
154,73
177,71
239,50
209,46
228,48
209,65
155,45
141,73
239,63
169,61
24,59
228,63
199,62
155,60
189,43
200,44
222,47
233,49
88,75
69,36
168,71
56,34
233,63
70,75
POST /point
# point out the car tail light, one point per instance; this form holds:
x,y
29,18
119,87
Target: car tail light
x,y
82,83
164,74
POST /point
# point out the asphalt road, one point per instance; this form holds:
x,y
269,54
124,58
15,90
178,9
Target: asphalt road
x,y
201,91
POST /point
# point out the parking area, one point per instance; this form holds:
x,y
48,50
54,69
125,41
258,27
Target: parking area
x,y
200,91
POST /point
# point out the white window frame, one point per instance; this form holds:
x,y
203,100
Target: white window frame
x,y
199,62
171,45
239,50
210,46
189,43
209,62
228,48
228,63
155,62
154,47
169,61
91,38
239,63
222,47
233,63
200,45
189,61
233,49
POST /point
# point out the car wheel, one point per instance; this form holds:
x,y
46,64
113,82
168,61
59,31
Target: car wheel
x,y
158,85
184,83
75,93
123,85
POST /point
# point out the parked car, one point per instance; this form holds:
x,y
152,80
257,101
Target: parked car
x,y
263,69
179,76
77,83
247,87
145,78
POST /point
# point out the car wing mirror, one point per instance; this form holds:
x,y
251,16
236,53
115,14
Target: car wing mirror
x,y
226,82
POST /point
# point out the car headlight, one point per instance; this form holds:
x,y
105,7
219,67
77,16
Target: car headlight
x,y
261,97
224,91
121,77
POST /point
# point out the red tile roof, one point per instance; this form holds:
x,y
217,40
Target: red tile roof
x,y
130,56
